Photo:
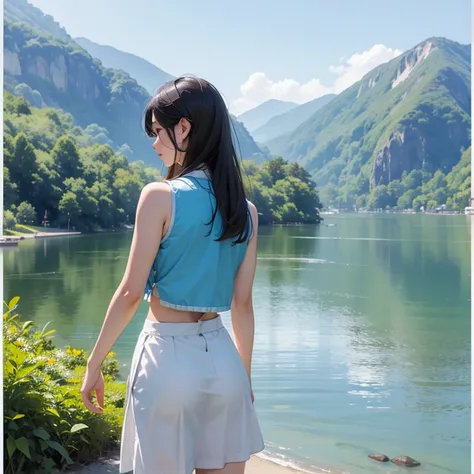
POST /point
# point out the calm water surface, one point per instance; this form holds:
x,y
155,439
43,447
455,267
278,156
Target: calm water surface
x,y
362,333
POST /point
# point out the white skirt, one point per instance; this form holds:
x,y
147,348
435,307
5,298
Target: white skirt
x,y
188,402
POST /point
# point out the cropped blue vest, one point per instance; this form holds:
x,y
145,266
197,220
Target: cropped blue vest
x,y
191,271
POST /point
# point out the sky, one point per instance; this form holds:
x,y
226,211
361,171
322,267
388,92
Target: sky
x,y
256,50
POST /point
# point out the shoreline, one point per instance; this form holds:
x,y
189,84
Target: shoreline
x,y
255,465
38,235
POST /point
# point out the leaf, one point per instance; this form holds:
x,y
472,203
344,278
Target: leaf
x,y
26,370
12,426
53,412
44,328
48,464
43,445
41,433
78,427
60,449
13,302
11,446
26,326
23,446
18,416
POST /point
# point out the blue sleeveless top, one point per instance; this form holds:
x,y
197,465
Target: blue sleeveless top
x,y
191,271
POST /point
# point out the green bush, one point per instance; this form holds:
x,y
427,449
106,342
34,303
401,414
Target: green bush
x,y
9,220
46,425
26,213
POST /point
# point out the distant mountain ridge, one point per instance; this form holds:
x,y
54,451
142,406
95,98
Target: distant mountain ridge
x,y
287,122
144,72
260,115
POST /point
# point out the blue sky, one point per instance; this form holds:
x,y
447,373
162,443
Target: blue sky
x,y
253,50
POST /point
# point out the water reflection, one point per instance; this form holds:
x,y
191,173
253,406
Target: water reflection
x,y
362,331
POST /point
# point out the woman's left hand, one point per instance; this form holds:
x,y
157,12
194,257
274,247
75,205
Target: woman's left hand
x,y
93,382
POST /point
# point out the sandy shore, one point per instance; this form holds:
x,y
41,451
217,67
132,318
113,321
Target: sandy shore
x,y
256,465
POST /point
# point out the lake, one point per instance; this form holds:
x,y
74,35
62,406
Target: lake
x,y
362,332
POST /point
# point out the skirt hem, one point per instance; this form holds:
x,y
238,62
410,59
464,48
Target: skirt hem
x,y
213,465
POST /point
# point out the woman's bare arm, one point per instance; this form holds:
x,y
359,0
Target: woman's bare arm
x,y
153,207
243,324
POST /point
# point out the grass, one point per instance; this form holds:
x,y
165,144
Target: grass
x,y
24,229
46,229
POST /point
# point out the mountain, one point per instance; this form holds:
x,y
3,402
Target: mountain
x,y
59,73
151,77
288,121
54,71
255,118
20,11
245,145
145,73
408,115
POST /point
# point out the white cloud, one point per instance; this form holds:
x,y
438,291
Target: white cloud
x,y
259,88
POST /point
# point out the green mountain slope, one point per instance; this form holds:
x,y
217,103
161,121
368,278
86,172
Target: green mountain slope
x,y
260,115
144,72
57,72
245,145
67,77
20,11
412,113
287,122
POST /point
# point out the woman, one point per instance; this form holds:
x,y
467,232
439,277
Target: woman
x,y
193,254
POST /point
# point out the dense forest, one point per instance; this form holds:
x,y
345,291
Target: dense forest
x,y
414,190
282,192
55,168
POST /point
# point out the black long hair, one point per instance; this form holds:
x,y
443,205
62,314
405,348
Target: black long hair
x,y
210,145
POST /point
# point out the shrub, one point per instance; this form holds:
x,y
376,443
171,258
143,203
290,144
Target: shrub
x,y
25,213
46,425
9,220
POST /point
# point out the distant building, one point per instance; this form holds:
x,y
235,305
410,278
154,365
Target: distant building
x,y
469,210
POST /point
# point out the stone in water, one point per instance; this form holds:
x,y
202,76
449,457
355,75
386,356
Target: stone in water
x,y
379,457
405,461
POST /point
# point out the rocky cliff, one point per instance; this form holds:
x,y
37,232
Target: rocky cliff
x,y
67,77
412,113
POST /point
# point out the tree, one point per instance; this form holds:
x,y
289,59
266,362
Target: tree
x,y
69,209
9,221
419,201
10,189
405,201
292,198
21,165
395,189
26,214
66,159
127,191
276,169
302,195
379,197
413,179
289,213
85,198
33,96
